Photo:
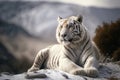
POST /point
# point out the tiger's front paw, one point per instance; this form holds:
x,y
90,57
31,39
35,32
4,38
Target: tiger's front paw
x,y
78,72
33,69
91,72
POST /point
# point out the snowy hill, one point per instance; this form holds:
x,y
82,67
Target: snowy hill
x,y
39,17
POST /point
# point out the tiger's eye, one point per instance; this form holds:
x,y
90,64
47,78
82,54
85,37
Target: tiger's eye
x,y
70,25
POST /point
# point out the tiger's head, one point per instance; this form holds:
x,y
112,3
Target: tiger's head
x,y
70,30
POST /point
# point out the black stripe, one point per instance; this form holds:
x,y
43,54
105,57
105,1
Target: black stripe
x,y
87,49
58,61
53,61
72,53
86,44
84,48
68,57
67,54
87,58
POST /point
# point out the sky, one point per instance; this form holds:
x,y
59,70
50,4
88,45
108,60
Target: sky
x,y
96,3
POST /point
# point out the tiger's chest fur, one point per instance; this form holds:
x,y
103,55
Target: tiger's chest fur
x,y
58,52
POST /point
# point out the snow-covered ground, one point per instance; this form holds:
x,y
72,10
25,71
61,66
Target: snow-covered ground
x,y
107,71
39,19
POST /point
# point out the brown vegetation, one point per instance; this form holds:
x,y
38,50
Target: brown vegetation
x,y
107,38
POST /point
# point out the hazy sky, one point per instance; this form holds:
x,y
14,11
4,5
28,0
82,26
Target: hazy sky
x,y
98,3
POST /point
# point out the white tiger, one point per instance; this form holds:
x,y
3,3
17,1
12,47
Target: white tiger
x,y
75,53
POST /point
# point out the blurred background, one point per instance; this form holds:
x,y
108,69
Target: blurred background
x,y
28,26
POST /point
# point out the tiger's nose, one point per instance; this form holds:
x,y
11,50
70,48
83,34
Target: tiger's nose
x,y
64,35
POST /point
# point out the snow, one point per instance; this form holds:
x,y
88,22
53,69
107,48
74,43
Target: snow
x,y
106,71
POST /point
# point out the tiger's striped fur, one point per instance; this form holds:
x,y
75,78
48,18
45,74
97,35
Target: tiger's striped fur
x,y
75,53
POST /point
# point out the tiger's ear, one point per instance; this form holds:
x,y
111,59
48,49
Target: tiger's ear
x,y
80,18
59,18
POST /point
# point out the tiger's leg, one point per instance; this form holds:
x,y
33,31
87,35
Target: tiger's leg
x,y
91,66
39,59
70,67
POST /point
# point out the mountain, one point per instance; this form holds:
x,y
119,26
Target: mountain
x,y
41,16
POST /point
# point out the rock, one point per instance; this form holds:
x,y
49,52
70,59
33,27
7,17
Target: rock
x,y
108,71
35,75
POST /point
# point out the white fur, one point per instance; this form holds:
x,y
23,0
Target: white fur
x,y
67,56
